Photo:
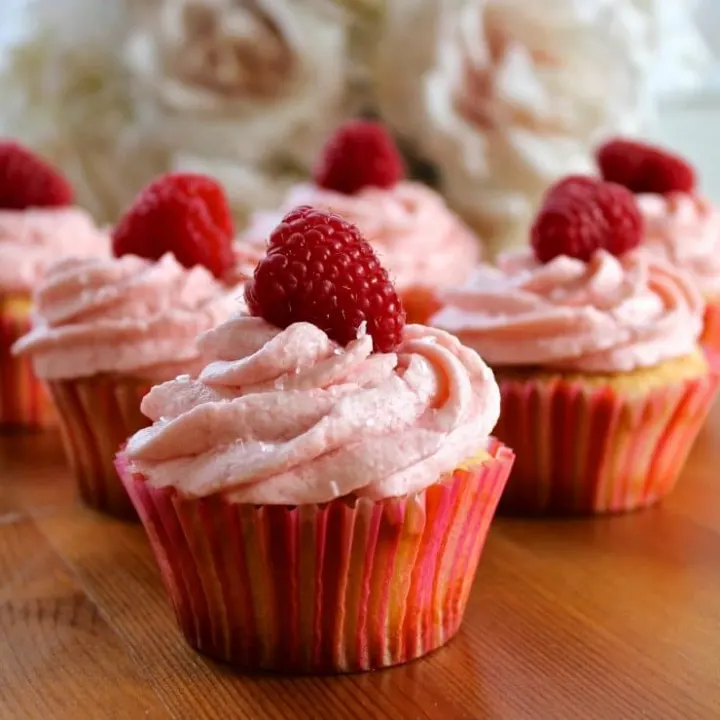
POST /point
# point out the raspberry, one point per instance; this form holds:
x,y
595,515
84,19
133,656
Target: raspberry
x,y
360,153
582,215
644,168
27,181
185,214
319,269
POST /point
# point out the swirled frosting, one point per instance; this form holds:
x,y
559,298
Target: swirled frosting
x,y
289,417
124,315
685,230
32,240
417,238
607,315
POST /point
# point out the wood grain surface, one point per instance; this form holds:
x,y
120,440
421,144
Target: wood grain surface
x,y
615,618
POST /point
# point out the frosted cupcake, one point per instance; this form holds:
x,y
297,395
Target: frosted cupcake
x,y
318,498
680,224
360,176
107,329
595,347
38,224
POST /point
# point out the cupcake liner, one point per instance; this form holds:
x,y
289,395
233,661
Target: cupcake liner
x,y
710,338
97,415
585,449
24,401
347,586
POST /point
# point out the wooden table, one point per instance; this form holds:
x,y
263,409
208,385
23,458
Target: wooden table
x,y
617,618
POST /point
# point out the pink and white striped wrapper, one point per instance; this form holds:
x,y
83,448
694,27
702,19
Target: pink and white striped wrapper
x,y
347,586
585,449
24,400
97,416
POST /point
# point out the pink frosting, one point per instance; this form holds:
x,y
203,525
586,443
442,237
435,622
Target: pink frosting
x,y
32,240
608,315
126,315
685,230
288,417
417,238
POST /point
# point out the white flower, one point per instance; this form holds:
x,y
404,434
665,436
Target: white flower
x,y
517,93
253,82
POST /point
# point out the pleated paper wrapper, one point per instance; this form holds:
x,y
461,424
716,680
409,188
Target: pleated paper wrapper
x,y
585,450
97,416
710,338
24,400
347,586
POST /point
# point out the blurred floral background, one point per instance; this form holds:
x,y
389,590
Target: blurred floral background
x,y
490,99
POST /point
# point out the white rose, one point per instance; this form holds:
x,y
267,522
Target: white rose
x,y
254,82
517,93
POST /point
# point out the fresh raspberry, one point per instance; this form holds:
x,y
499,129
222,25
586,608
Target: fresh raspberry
x,y
319,269
182,213
361,153
27,181
644,168
582,215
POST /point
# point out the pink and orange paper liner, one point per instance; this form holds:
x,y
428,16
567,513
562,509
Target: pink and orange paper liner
x,y
24,401
584,449
345,586
710,338
97,416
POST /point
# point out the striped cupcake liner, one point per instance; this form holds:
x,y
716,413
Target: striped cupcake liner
x,y
588,450
710,338
24,401
97,415
350,585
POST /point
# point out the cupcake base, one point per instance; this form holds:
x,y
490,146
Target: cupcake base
x,y
24,401
347,586
97,415
600,444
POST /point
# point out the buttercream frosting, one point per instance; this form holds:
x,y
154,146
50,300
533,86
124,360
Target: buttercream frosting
x,y
607,315
124,315
684,230
32,240
417,238
289,417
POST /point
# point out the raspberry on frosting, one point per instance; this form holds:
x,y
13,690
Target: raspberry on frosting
x,y
644,168
319,269
182,213
581,215
27,181
360,154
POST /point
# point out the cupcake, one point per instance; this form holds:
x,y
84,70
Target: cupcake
x,y
595,348
419,240
107,329
318,498
680,224
38,224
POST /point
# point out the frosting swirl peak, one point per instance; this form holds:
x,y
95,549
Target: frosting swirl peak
x,y
127,315
607,315
289,417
